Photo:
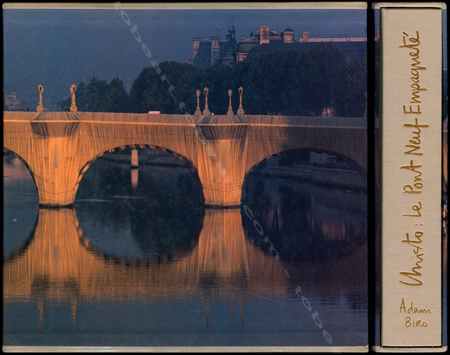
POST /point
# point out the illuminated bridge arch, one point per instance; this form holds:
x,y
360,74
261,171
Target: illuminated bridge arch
x,y
188,163
356,166
24,162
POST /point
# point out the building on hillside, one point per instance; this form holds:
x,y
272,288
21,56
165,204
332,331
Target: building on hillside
x,y
213,51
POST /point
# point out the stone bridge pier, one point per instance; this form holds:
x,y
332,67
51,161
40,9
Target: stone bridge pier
x,y
50,152
222,160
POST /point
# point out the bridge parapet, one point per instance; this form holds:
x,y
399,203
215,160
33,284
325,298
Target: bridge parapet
x,y
18,115
186,119
55,116
67,123
307,121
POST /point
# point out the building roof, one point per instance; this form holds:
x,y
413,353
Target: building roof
x,y
203,58
354,47
246,46
351,49
288,30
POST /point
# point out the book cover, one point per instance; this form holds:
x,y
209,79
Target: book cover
x,y
196,177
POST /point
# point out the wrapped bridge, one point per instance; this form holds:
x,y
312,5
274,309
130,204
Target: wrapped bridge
x,y
58,147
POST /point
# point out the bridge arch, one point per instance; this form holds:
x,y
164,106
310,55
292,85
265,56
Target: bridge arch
x,y
24,162
187,162
357,166
281,206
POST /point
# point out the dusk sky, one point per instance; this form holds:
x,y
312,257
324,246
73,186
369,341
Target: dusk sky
x,y
57,48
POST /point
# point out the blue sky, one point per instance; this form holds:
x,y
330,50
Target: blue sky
x,y
57,48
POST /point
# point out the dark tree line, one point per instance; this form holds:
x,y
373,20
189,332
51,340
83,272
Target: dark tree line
x,y
99,96
287,82
150,93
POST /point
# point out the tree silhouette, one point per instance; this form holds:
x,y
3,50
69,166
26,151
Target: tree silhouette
x,y
99,96
150,92
292,82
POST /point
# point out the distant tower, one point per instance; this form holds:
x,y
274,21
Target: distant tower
x,y
288,35
231,34
197,41
305,36
215,55
264,34
228,54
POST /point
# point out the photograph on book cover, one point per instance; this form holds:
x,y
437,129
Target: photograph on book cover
x,y
185,177
410,95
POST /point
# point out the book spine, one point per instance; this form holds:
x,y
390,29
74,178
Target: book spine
x,y
411,170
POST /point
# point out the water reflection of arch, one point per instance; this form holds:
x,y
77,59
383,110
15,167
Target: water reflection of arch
x,y
179,245
18,253
56,258
307,216
20,204
188,163
153,232
224,266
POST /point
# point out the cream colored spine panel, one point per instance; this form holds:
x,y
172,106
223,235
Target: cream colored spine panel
x,y
411,129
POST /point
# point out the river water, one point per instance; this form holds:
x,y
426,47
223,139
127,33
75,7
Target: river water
x,y
140,261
